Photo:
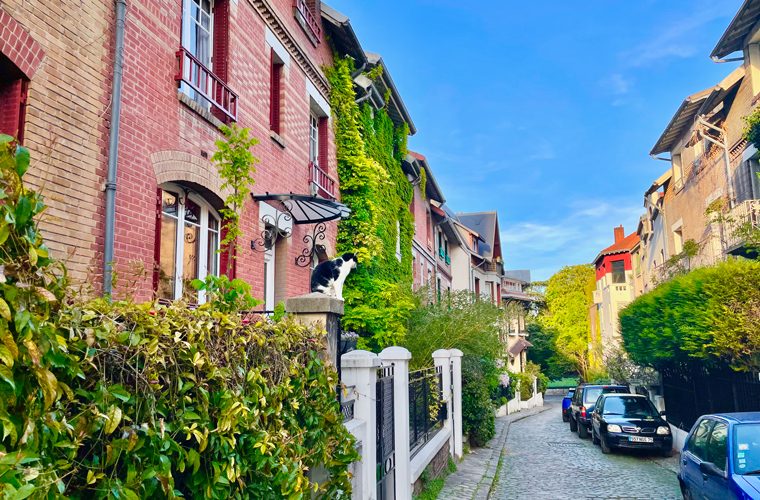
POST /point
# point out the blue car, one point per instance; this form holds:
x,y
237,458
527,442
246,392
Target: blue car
x,y
721,458
566,404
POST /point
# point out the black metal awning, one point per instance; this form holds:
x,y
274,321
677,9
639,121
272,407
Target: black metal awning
x,y
305,209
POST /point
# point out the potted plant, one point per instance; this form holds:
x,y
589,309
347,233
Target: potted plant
x,y
348,341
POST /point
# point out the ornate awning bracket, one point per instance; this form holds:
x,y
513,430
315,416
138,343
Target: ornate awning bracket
x,y
298,209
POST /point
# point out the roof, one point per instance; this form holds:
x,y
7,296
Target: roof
x,y
432,189
722,90
734,36
486,225
739,417
624,245
396,107
342,35
519,347
680,122
512,295
521,275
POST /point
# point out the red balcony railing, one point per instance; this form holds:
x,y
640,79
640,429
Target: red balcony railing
x,y
325,184
308,18
199,78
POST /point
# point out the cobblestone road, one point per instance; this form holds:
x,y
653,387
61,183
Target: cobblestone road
x,y
542,459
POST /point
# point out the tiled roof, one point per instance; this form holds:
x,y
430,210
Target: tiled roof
x,y
519,347
624,245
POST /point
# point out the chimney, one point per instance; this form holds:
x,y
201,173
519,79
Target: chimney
x,y
619,233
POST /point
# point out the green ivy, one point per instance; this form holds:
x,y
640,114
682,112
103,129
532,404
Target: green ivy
x,y
751,131
145,401
370,150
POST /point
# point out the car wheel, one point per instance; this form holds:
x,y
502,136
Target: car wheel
x,y
594,439
667,453
684,491
565,418
605,449
573,424
582,431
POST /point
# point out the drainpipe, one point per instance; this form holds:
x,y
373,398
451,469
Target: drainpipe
x,y
734,59
113,145
658,158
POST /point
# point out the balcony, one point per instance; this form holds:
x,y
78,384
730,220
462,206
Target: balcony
x,y
323,184
199,78
742,220
307,20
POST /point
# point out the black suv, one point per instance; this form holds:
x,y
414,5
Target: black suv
x,y
583,404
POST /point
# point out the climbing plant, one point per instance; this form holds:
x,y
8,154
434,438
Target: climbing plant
x,y
370,149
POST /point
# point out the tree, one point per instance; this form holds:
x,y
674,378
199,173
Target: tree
x,y
544,351
568,299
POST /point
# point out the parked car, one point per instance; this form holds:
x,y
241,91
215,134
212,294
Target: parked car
x,y
629,421
721,458
566,404
582,405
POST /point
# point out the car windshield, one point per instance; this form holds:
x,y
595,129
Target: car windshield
x,y
629,407
593,393
746,449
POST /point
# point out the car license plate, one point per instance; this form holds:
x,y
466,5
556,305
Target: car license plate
x,y
639,439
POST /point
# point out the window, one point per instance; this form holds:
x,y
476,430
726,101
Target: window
x,y
274,97
618,271
477,287
717,449
188,243
314,139
678,179
638,265
678,240
698,441
197,38
439,289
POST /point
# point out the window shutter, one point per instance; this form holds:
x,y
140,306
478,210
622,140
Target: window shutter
x,y
13,108
322,157
223,257
220,47
274,107
157,242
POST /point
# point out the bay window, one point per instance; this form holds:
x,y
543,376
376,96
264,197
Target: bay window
x,y
188,244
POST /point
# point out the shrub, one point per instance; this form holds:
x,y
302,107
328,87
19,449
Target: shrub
x,y
711,315
139,401
477,409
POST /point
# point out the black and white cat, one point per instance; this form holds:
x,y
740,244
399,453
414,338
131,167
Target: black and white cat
x,y
328,277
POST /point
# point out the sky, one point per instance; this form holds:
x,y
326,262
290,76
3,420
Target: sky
x,y
545,111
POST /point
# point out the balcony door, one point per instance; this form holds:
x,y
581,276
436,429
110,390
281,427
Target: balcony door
x,y
197,38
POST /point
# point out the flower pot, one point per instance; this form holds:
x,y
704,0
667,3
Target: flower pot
x,y
347,345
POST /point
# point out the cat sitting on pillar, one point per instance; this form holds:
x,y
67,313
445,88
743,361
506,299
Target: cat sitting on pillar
x,y
329,276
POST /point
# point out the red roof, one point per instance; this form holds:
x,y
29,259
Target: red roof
x,y
418,156
624,245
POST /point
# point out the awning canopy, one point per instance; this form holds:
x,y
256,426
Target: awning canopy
x,y
519,347
305,209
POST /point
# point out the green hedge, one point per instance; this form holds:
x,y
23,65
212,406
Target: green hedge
x,y
711,315
144,401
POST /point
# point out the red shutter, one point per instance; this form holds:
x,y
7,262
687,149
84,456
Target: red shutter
x,y
322,154
274,104
13,108
157,243
221,44
223,257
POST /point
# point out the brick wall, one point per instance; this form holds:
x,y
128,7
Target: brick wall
x,y
435,469
161,138
66,129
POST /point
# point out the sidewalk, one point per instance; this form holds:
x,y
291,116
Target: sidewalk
x,y
475,474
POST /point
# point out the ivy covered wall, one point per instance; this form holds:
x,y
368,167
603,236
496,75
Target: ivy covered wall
x,y
370,149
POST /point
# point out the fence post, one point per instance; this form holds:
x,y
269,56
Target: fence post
x,y
319,309
359,371
400,357
456,360
442,358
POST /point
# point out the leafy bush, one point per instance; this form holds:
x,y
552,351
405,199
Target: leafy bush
x,y
751,131
137,401
711,315
477,409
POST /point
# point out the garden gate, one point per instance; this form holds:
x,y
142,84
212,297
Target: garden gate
x,y
386,456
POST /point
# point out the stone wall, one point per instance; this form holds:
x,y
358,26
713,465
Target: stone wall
x,y
436,468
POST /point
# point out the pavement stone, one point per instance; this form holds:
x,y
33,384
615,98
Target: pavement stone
x,y
542,459
476,472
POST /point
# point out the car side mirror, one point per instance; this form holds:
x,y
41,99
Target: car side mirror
x,y
710,469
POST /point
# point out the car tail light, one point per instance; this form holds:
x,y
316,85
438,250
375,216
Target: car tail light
x,y
583,411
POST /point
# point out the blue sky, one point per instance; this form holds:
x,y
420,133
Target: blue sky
x,y
545,111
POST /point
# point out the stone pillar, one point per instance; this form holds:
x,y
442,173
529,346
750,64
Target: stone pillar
x,y
456,360
360,375
319,309
399,357
442,358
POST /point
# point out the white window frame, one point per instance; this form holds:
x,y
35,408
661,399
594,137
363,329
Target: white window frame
x,y
179,262
314,139
188,24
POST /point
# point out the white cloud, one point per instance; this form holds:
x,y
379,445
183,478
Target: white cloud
x,y
574,239
617,84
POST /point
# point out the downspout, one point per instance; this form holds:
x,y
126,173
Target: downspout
x,y
658,158
113,146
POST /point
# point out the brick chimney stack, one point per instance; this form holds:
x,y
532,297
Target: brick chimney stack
x,y
619,233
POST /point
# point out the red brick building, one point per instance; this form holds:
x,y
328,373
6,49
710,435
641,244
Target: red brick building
x,y
189,66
